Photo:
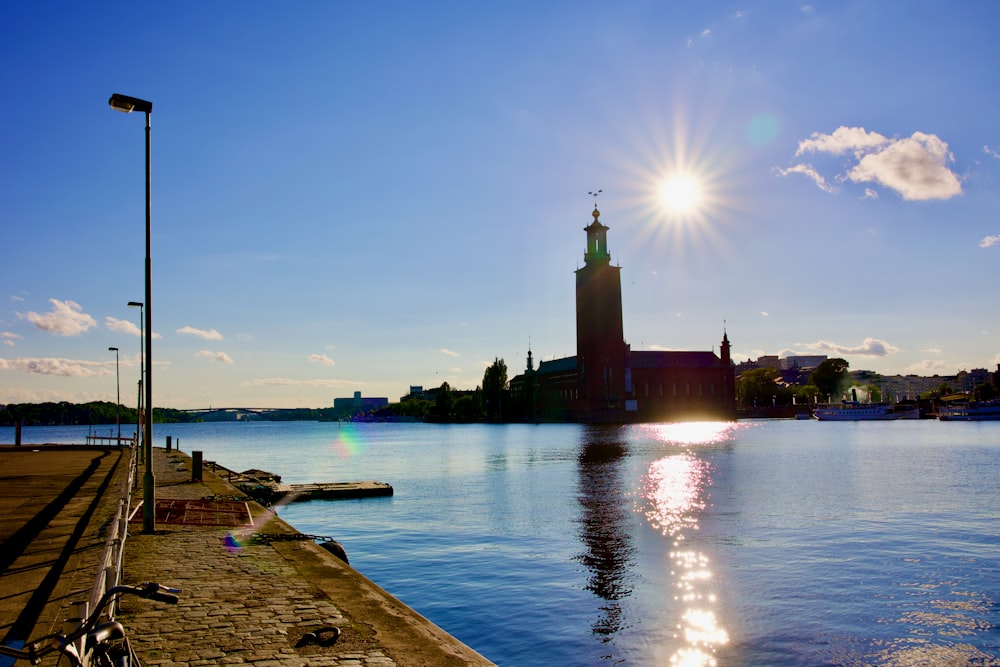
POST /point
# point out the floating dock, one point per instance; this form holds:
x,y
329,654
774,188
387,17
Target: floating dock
x,y
266,487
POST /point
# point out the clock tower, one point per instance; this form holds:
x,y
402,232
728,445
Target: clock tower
x,y
600,343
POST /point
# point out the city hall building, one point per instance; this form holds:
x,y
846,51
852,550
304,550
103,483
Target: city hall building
x,y
607,382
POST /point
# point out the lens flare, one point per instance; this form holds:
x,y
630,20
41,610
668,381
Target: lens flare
x,y
348,443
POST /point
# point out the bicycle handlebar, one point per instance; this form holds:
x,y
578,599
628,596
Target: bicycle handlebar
x,y
35,650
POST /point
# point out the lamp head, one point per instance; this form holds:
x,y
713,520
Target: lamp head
x,y
135,304
127,104
112,349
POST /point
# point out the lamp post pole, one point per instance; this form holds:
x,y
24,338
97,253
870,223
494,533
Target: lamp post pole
x,y
142,375
118,403
128,104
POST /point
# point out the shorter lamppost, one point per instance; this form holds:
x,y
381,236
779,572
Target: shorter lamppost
x,y
142,378
118,403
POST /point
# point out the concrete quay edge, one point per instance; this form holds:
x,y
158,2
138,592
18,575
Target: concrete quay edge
x,y
265,596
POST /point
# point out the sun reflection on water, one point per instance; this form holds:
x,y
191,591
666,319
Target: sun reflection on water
x,y
674,493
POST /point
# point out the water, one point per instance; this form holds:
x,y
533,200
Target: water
x,y
750,543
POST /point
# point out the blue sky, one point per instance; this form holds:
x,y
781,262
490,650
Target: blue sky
x,y
364,196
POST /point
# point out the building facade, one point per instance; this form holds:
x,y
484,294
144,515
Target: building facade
x,y
609,382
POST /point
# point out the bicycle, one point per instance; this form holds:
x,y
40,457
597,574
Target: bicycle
x,y
93,643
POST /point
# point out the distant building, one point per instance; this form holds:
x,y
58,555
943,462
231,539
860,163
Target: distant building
x,y
609,382
803,361
358,404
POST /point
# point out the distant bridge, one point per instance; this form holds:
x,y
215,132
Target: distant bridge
x,y
240,410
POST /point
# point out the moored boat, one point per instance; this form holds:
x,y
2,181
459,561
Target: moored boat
x,y
855,411
970,411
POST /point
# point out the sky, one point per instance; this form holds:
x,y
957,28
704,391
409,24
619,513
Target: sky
x,y
367,196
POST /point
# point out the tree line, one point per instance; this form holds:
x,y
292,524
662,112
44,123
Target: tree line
x,y
761,387
487,402
75,414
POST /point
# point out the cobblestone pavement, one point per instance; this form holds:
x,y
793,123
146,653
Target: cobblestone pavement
x,y
253,604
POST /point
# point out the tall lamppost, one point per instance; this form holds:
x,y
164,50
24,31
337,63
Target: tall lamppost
x,y
128,104
142,374
118,404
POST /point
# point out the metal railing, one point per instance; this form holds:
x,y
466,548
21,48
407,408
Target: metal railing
x,y
109,572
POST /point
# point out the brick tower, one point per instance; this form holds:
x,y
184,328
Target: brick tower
x,y
600,341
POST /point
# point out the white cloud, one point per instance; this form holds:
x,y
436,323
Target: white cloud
x,y
66,319
932,350
992,153
8,338
210,334
764,313
450,353
916,167
218,356
58,367
989,241
321,359
854,139
871,347
121,326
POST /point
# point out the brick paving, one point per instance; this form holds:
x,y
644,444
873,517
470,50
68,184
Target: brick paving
x,y
252,604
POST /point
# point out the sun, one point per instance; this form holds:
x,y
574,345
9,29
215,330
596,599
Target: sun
x,y
681,193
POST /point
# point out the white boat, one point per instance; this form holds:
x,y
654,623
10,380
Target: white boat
x,y
855,411
971,411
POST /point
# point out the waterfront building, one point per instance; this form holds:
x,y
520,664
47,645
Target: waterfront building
x,y
358,404
607,381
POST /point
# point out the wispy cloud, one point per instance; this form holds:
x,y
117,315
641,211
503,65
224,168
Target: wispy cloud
x,y
121,326
125,327
8,338
916,167
992,153
809,172
210,334
58,367
321,359
871,347
221,357
450,353
990,241
291,382
928,366
65,319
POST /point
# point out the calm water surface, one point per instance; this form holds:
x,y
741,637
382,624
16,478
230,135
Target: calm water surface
x,y
749,543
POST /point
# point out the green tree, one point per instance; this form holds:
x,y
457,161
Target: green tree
x,y
443,405
758,387
495,389
985,391
805,394
831,378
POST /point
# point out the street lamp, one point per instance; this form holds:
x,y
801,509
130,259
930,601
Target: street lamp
x,y
118,404
128,104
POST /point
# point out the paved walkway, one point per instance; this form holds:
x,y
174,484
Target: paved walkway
x,y
250,602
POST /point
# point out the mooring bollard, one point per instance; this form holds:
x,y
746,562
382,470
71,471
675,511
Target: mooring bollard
x,y
17,433
195,466
168,442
